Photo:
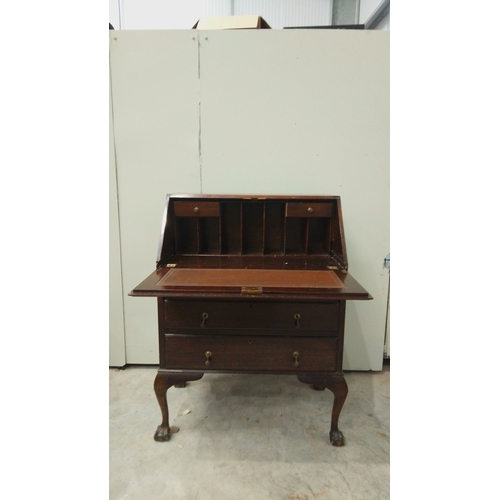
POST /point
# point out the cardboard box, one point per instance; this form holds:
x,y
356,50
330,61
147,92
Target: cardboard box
x,y
231,23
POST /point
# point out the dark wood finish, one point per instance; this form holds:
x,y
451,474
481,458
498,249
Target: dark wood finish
x,y
151,286
337,384
196,209
309,209
163,382
262,318
250,353
252,284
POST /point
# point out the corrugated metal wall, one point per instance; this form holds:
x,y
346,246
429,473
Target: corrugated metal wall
x,y
215,7
170,14
155,14
281,13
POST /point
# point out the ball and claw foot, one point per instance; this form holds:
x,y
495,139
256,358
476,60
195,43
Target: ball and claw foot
x,y
337,438
162,434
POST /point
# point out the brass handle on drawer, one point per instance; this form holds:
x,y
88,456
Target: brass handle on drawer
x,y
296,318
196,209
310,210
204,317
296,358
208,355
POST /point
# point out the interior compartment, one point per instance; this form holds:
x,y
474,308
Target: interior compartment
x,y
274,220
209,235
252,226
231,228
319,236
257,228
296,235
186,237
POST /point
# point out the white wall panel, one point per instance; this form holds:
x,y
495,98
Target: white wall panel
x,y
282,112
307,112
154,78
116,325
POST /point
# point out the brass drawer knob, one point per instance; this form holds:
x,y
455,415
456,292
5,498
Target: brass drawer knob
x,y
208,355
204,317
296,318
310,210
296,358
196,209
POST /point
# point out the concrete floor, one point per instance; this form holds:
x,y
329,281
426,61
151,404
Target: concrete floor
x,y
252,437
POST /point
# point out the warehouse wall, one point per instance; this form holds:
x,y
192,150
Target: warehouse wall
x,y
158,14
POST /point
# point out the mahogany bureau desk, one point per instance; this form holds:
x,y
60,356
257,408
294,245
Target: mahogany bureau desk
x,y
251,284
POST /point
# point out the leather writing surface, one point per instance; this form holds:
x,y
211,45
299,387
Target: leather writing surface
x,y
267,278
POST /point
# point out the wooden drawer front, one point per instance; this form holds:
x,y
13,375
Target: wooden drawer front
x,y
309,209
247,353
196,209
229,317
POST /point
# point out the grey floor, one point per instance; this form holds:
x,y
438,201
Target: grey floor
x,y
248,437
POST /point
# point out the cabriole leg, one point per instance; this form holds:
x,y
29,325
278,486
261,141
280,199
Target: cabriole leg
x,y
338,385
161,386
163,382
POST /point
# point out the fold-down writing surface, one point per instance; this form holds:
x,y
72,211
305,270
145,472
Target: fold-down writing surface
x,y
268,278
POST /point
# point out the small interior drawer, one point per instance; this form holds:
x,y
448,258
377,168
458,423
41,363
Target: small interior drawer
x,y
250,353
296,318
309,209
196,209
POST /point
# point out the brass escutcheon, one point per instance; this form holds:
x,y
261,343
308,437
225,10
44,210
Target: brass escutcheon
x,y
296,318
204,317
296,358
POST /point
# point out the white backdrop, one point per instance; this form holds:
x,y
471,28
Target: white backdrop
x,y
278,112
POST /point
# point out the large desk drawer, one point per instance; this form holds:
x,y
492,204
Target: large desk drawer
x,y
248,353
229,317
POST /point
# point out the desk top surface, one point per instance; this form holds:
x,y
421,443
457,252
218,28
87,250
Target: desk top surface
x,y
233,277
